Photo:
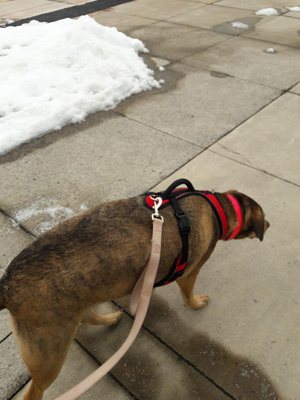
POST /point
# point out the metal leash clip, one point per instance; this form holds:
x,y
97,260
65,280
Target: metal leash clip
x,y
157,203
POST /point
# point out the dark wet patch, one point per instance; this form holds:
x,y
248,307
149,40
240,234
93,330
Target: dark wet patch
x,y
48,138
146,370
227,28
238,377
218,74
170,77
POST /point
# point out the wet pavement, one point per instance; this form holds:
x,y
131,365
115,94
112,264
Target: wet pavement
x,y
227,117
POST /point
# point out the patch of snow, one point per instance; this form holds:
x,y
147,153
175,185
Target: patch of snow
x,y
268,12
53,74
10,227
6,21
49,210
160,62
83,207
239,25
54,212
161,68
270,50
293,9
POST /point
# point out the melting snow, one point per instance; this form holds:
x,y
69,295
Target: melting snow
x,y
52,74
48,212
239,25
267,12
271,50
294,9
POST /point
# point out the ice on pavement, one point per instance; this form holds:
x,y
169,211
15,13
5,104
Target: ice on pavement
x,y
53,74
267,12
239,25
294,9
271,50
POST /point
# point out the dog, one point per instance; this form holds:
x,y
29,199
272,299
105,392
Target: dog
x,y
52,285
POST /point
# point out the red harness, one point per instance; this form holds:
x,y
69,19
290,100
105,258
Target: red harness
x,y
172,196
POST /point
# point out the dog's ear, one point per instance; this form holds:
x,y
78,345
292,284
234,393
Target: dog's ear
x,y
259,224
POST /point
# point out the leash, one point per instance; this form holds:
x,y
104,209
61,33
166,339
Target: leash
x,y
139,304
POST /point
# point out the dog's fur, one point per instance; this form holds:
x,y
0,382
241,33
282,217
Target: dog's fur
x,y
50,287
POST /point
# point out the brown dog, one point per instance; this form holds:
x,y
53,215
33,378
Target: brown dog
x,y
50,287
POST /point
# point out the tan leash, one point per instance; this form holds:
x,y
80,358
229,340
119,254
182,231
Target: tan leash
x,y
139,304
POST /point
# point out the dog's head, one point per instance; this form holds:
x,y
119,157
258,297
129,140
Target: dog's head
x,y
254,222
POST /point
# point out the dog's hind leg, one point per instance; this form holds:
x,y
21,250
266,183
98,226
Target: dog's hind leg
x,y
91,317
44,349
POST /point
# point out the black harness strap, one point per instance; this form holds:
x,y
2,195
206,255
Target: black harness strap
x,y
184,230
170,195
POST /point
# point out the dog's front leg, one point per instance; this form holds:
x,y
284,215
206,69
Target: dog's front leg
x,y
186,285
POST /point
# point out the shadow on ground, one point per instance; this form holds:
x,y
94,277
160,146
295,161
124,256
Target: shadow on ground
x,y
205,370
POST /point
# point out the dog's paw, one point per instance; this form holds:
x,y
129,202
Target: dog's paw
x,y
91,317
198,301
113,318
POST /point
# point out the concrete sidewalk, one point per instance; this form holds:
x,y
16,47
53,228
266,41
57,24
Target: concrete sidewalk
x,y
227,117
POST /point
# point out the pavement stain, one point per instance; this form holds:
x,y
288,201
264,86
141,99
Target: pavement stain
x,y
212,359
148,370
92,120
228,29
218,74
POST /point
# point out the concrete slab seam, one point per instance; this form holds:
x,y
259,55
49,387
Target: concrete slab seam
x,y
244,35
202,68
161,19
19,390
248,9
161,131
6,337
245,120
110,374
179,60
21,226
217,140
255,168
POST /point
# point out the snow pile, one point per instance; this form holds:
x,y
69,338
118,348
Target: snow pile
x,y
294,9
239,25
57,73
268,12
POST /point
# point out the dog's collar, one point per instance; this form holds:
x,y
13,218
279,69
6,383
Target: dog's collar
x,y
239,216
221,215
